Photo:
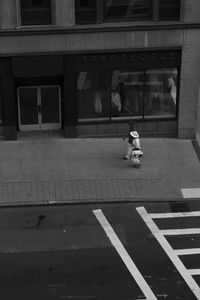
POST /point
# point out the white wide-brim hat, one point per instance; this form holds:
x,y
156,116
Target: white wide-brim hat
x,y
134,134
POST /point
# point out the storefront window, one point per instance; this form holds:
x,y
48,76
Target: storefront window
x,y
125,9
127,93
160,93
93,95
142,94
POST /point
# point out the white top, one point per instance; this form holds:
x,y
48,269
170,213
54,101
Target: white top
x,y
136,143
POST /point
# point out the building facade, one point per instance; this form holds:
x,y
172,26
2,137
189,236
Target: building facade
x,y
88,67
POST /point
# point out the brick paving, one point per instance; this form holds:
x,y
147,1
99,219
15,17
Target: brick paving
x,y
72,191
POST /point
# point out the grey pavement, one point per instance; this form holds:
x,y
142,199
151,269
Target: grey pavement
x,y
58,170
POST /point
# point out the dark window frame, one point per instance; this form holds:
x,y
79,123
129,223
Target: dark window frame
x,y
126,19
155,13
44,13
163,8
90,12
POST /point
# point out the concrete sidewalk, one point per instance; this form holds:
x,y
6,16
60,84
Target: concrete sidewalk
x,y
58,170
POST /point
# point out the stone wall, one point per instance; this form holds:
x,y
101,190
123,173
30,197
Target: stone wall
x,y
63,12
190,11
8,14
189,84
198,120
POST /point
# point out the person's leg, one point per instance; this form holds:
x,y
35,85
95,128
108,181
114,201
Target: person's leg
x,y
129,150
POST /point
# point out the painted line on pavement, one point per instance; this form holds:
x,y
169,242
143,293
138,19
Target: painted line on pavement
x,y
78,297
191,251
169,251
175,215
194,271
180,231
124,255
191,193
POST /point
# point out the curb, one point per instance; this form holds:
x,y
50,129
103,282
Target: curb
x,y
96,202
196,148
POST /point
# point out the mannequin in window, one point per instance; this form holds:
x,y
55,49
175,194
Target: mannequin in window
x,y
116,101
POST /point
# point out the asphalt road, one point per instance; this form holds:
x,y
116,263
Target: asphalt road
x,y
63,252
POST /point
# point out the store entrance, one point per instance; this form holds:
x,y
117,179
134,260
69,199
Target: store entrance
x,y
39,107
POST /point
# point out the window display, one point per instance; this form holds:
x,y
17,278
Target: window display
x,y
129,86
93,95
160,93
125,94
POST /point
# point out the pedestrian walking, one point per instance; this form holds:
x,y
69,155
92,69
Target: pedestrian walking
x,y
133,141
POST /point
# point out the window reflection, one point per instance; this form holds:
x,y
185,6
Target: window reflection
x,y
93,95
138,9
126,94
160,93
99,11
128,85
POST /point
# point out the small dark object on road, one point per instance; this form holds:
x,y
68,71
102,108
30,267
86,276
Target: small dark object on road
x,y
40,218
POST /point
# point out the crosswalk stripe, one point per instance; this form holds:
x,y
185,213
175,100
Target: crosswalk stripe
x,y
180,231
191,193
194,271
191,251
124,255
157,233
175,215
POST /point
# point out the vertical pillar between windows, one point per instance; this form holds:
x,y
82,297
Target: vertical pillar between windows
x,y
155,10
99,6
18,13
8,99
70,97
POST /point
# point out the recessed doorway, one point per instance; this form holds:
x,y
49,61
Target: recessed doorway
x,y
39,107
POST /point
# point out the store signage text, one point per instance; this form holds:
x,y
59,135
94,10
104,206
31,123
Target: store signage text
x,y
129,57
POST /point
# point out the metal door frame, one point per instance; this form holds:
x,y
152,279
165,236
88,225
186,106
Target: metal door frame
x,y
40,125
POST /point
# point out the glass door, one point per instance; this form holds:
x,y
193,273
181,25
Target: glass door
x,y
28,108
50,107
39,108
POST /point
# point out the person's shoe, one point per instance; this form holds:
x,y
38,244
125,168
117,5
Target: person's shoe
x,y
125,158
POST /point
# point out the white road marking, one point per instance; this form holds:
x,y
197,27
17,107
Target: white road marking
x,y
169,251
187,251
124,255
181,231
191,193
162,296
77,297
194,271
175,215
52,202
